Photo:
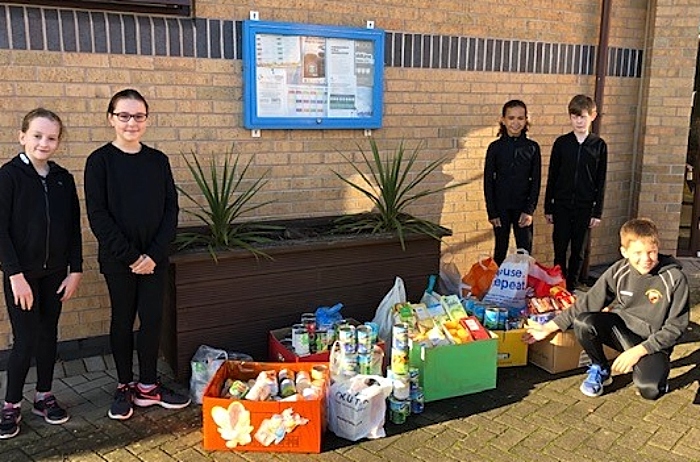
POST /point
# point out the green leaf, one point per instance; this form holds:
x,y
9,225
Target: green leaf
x,y
227,200
392,186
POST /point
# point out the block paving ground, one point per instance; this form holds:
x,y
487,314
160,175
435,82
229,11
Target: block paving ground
x,y
531,416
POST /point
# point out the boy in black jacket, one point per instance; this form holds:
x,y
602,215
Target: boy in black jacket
x,y
573,200
639,306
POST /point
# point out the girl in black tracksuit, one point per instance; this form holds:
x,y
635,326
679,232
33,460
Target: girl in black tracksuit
x,y
512,177
41,260
132,208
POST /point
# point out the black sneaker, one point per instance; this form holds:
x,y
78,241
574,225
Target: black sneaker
x,y
161,396
122,407
49,409
9,422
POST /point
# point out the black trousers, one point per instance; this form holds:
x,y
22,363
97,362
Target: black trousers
x,y
34,334
523,236
593,330
571,227
132,294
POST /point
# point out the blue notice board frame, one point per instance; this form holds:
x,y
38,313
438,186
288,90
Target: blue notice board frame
x,y
305,76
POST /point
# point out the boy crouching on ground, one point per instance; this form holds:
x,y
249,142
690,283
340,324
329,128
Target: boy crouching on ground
x,y
639,307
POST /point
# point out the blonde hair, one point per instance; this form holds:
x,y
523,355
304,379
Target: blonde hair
x,y
639,229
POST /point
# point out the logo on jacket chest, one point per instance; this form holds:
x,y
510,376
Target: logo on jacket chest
x,y
653,295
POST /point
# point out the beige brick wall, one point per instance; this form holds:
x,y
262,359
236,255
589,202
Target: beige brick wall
x,y
196,104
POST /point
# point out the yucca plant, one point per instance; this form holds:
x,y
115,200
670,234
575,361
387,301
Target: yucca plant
x,y
228,196
392,188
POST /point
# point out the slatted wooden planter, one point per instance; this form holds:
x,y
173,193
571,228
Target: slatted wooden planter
x,y
234,304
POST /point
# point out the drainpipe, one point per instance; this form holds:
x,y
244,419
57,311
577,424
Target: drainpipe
x,y
601,68
601,65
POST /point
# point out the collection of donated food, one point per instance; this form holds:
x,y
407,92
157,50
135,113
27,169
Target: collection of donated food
x,y
349,377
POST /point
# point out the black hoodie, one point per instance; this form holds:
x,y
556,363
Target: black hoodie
x,y
577,172
654,306
39,220
132,206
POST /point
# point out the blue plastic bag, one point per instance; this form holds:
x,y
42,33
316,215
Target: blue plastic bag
x,y
326,316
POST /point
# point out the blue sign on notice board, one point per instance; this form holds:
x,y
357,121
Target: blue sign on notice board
x,y
300,76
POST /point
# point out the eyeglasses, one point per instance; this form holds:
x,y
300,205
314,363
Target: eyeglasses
x,y
125,116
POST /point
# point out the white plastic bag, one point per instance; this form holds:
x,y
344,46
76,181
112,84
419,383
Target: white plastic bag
x,y
509,287
356,407
450,276
205,362
384,317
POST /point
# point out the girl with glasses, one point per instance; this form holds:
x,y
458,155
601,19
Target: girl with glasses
x,y
132,209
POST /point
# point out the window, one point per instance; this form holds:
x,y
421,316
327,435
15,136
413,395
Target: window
x,y
169,7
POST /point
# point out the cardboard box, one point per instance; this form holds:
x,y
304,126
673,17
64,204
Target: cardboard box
x,y
561,352
456,370
304,438
512,351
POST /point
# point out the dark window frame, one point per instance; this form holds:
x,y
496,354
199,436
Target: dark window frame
x,y
165,7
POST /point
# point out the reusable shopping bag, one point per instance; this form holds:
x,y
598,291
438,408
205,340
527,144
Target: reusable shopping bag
x,y
509,286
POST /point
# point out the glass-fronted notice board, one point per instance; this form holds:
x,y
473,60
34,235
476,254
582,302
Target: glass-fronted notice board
x,y
311,76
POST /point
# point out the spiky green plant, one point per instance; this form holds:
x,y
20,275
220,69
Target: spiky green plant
x,y
392,188
228,196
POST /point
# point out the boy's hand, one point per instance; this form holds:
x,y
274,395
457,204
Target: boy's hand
x,y
594,223
549,218
495,222
525,220
627,359
536,332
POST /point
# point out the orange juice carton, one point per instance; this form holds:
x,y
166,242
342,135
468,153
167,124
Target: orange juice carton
x,y
477,331
456,333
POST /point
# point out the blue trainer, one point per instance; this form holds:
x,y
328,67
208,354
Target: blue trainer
x,y
597,378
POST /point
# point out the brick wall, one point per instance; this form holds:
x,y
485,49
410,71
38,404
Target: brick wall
x,y
450,66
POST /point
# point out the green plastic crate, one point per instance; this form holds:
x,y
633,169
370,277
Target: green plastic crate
x,y
456,370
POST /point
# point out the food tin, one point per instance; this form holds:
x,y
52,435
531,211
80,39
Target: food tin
x,y
495,318
399,410
417,401
364,339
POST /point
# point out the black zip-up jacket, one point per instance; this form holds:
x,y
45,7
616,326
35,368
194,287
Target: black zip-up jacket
x,y
39,220
132,206
577,173
512,175
654,306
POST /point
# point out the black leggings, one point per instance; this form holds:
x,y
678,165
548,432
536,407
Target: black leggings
x,y
571,226
593,330
34,334
132,294
523,236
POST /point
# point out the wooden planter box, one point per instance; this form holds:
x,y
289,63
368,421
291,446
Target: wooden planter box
x,y
234,304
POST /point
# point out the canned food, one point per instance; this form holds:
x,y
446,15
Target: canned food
x,y
495,318
346,338
399,362
399,409
375,330
417,402
364,339
321,338
364,363
300,339
399,337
